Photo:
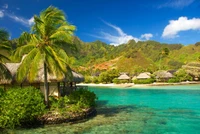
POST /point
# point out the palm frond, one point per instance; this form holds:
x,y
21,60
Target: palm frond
x,y
58,60
24,68
4,35
27,37
34,68
53,68
3,57
38,28
21,51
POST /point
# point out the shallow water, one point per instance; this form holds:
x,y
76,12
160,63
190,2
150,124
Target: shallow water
x,y
147,110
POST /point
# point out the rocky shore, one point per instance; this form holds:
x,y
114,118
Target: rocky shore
x,y
56,118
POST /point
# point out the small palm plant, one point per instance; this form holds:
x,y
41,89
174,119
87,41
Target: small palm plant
x,y
43,47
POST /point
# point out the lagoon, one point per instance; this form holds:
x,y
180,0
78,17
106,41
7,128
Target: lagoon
x,y
137,110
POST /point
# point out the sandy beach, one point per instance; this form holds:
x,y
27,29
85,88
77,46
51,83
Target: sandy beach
x,y
138,85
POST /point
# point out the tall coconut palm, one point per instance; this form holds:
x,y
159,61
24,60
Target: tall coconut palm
x,y
4,49
43,47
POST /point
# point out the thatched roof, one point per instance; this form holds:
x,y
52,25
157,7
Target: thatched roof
x,y
123,77
12,67
163,75
193,68
145,75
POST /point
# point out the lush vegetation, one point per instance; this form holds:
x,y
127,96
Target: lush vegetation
x,y
180,75
96,57
144,81
43,47
25,106
20,106
5,49
76,102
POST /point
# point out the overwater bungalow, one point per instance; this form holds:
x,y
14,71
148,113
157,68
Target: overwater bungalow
x,y
57,87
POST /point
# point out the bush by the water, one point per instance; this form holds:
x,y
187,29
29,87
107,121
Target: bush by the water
x,y
1,91
20,106
117,81
144,81
173,80
75,102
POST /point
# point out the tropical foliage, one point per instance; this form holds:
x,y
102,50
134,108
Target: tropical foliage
x,y
4,50
20,106
144,81
77,101
43,47
133,57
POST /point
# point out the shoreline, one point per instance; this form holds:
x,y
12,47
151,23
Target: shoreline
x,y
127,85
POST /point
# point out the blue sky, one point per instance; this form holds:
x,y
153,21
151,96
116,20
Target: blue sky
x,y
113,21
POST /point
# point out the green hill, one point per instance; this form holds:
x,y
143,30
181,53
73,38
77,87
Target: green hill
x,y
131,57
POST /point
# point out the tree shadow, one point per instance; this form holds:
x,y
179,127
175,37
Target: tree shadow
x,y
113,110
101,103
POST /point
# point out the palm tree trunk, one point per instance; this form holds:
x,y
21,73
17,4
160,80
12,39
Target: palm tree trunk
x,y
46,88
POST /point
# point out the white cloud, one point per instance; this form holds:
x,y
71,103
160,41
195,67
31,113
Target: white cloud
x,y
23,21
176,3
146,36
5,6
1,14
182,24
31,21
18,8
121,38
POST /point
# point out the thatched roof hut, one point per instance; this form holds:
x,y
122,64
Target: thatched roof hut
x,y
145,75
192,68
123,77
163,75
12,67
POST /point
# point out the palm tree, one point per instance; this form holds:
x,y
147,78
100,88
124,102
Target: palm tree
x,y
43,47
4,49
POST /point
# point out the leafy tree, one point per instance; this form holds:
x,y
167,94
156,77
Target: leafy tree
x,y
4,47
108,76
43,47
182,75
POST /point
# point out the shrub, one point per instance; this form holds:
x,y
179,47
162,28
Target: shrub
x,y
183,75
144,81
1,91
75,102
95,80
83,98
116,81
124,81
173,80
20,106
88,79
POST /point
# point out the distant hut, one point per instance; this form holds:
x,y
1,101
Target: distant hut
x,y
57,87
145,75
163,75
123,77
193,68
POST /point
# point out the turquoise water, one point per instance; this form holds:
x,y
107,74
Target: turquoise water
x,y
149,110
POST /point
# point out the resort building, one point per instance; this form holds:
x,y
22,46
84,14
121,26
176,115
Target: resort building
x,y
145,75
57,87
163,76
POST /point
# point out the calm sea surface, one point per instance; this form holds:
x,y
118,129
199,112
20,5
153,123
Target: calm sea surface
x,y
149,110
